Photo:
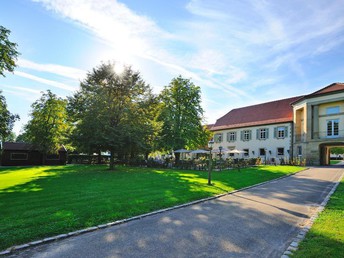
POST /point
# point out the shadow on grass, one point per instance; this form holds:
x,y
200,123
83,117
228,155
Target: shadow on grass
x,y
225,227
74,197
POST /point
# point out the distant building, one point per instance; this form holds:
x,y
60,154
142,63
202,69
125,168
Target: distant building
x,y
24,154
300,127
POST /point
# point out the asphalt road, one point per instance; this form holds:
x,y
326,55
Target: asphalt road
x,y
258,222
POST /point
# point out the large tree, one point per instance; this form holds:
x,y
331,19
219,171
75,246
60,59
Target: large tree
x,y
48,127
110,112
8,52
182,116
7,119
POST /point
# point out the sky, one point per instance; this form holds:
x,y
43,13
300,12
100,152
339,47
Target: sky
x,y
240,53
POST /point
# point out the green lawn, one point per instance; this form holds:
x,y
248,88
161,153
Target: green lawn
x,y
36,202
326,237
334,162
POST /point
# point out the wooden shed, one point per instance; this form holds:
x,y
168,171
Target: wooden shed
x,y
24,154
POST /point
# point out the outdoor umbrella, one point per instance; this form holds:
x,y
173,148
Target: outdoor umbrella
x,y
181,151
199,152
237,151
223,150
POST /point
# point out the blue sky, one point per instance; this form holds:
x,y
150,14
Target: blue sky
x,y
239,52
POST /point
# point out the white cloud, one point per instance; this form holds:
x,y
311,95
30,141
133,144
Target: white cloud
x,y
65,71
230,47
45,81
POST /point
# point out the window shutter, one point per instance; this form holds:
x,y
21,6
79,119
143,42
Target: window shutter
x,y
242,135
250,135
275,132
228,137
286,131
267,133
257,132
235,136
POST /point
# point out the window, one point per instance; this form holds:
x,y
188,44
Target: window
x,y
262,134
332,110
262,152
332,128
19,156
281,132
246,135
246,152
280,151
299,150
218,137
230,148
231,136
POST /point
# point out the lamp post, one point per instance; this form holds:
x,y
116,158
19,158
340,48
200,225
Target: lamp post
x,y
265,150
210,146
220,155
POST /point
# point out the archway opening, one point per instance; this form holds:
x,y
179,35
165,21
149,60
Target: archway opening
x,y
331,153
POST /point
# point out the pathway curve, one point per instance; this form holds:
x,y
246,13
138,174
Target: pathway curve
x,y
258,222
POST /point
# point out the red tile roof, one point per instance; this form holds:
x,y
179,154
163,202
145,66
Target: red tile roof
x,y
332,88
279,111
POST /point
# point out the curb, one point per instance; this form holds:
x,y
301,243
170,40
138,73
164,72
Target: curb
x,y
12,249
309,223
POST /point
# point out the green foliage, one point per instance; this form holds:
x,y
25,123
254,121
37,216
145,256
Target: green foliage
x,y
7,119
8,52
182,114
49,126
337,150
114,112
61,199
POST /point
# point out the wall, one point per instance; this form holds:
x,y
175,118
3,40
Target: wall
x,y
271,143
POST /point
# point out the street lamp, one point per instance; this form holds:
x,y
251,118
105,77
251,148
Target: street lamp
x,y
210,146
220,155
265,150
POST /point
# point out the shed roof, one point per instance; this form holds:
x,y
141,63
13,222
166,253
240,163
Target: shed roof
x,y
21,146
279,111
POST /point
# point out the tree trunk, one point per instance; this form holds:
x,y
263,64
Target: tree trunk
x,y
112,161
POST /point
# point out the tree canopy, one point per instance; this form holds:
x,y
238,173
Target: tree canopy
x,y
8,52
49,126
113,112
182,116
7,119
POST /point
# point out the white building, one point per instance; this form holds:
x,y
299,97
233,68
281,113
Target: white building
x,y
267,130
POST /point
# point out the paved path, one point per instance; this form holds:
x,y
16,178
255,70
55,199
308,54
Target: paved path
x,y
258,222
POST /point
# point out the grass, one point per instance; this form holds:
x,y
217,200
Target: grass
x,y
334,162
326,237
37,202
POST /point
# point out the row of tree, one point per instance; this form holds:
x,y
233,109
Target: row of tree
x,y
117,112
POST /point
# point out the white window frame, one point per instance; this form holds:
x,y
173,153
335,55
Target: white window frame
x,y
231,136
263,132
334,132
281,132
246,135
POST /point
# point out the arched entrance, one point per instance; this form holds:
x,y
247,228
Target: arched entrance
x,y
325,151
